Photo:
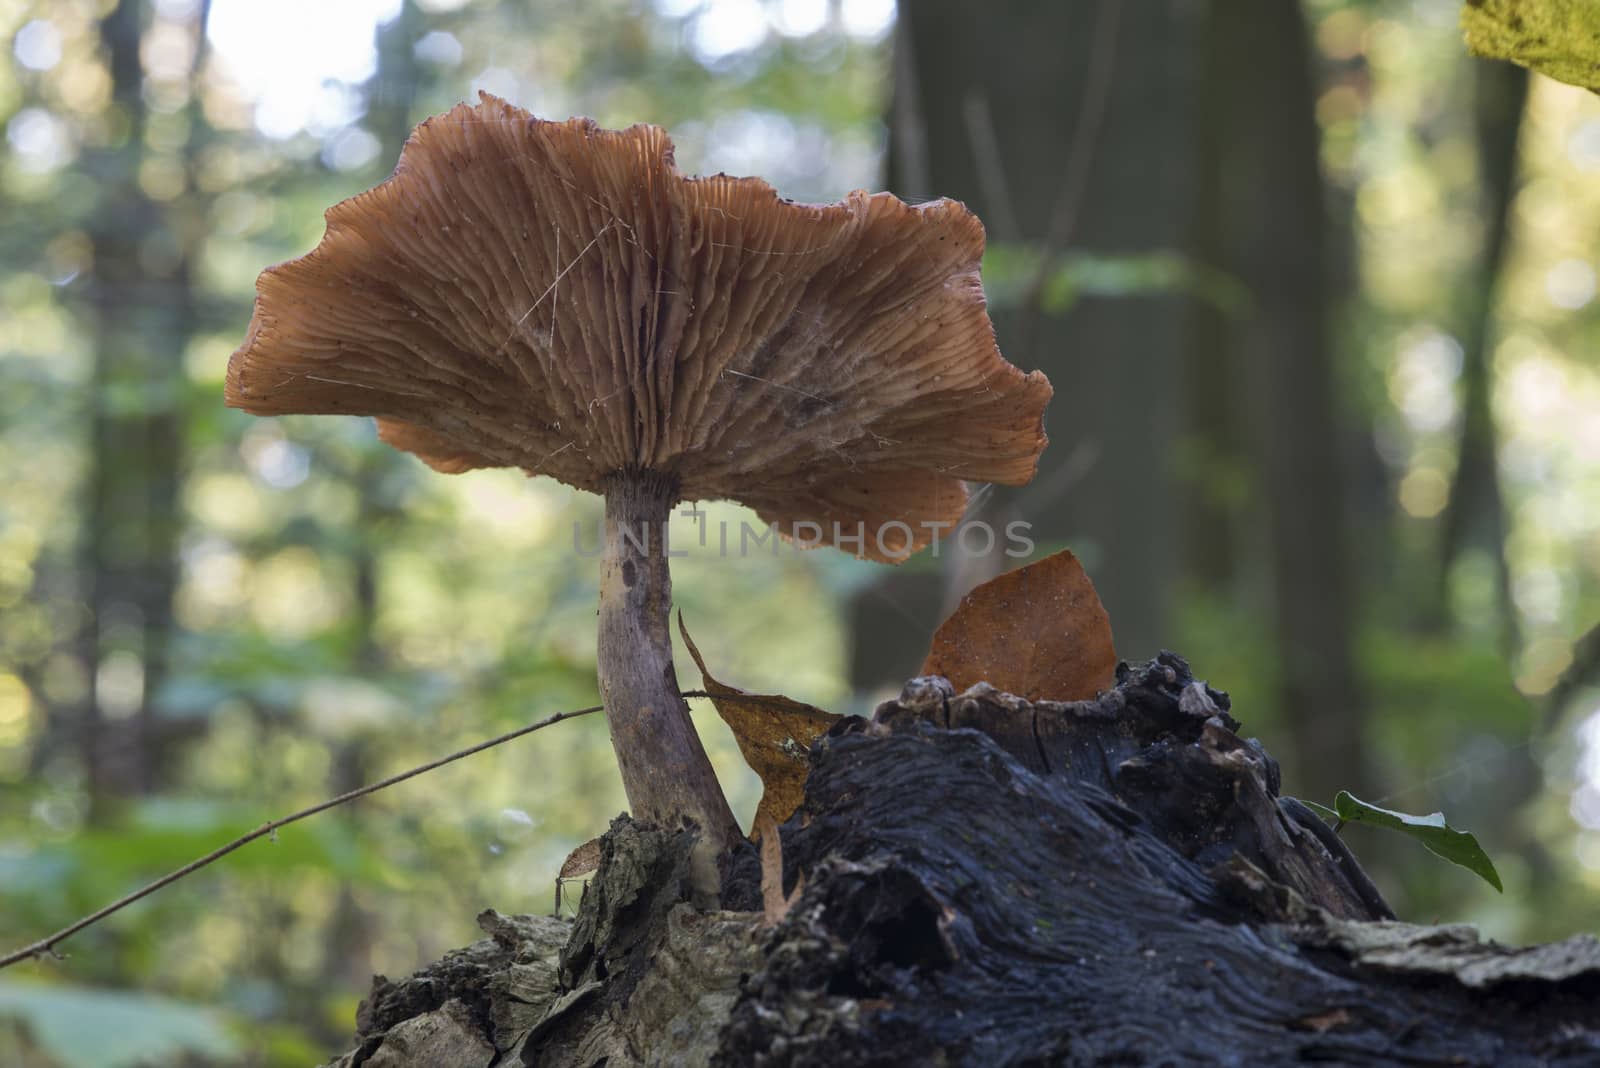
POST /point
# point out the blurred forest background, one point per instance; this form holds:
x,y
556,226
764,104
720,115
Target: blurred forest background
x,y
1316,291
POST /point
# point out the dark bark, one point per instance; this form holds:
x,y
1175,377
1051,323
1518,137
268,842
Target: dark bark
x,y
665,771
989,882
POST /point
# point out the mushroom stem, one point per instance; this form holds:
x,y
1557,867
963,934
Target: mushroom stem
x,y
664,767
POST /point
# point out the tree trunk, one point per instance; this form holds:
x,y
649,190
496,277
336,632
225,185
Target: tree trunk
x,y
1068,123
1271,202
1475,514
989,882
143,311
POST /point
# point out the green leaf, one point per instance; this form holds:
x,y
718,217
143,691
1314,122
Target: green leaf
x,y
1458,847
127,1029
1322,810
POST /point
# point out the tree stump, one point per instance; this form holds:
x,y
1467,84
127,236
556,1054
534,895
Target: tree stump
x,y
993,882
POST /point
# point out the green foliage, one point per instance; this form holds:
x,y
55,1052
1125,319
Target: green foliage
x,y
83,1028
1011,272
159,834
1458,847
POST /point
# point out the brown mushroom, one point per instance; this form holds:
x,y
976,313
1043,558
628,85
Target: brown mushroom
x,y
559,298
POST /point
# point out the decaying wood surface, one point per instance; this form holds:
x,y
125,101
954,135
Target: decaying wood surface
x,y
993,882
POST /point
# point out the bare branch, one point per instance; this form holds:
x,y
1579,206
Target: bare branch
x,y
1091,116
46,946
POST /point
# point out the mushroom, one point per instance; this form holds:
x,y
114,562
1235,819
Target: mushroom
x,y
559,298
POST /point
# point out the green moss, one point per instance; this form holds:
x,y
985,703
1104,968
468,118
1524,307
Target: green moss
x,y
1560,38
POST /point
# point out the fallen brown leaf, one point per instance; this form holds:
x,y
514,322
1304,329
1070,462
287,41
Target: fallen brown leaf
x,y
774,735
1039,632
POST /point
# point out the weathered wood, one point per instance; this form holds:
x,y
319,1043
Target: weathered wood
x,y
495,989
1113,881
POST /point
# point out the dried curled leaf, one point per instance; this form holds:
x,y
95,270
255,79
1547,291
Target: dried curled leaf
x,y
1558,38
1039,632
774,735
585,860
582,861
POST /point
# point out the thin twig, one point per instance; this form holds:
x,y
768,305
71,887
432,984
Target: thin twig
x,y
770,382
551,288
46,946
555,301
1096,95
987,161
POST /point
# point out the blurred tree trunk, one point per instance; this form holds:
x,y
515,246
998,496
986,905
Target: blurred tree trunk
x,y
1475,514
143,312
1271,232
115,166
1067,125
1212,450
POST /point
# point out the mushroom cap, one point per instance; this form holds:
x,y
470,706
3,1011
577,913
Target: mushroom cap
x,y
558,297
